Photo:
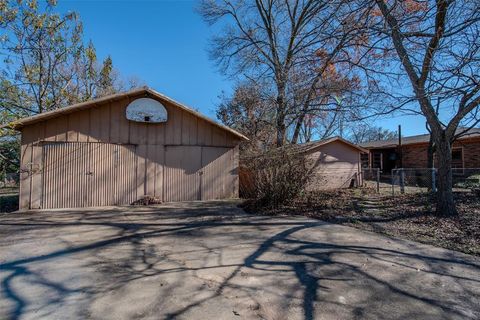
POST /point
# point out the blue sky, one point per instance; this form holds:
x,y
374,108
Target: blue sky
x,y
165,43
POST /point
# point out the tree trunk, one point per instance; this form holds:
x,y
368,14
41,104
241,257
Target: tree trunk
x,y
430,153
280,119
298,127
281,131
445,202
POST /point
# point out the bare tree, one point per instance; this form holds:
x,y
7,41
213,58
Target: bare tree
x,y
436,46
365,132
277,40
250,112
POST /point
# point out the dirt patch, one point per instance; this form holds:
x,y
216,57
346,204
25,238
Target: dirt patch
x,y
409,216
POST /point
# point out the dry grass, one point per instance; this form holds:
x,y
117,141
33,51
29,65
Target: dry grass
x,y
409,216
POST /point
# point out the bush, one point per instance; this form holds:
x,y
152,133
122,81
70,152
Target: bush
x,y
470,182
273,179
8,203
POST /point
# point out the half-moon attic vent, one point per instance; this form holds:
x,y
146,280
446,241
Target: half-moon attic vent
x,y
146,110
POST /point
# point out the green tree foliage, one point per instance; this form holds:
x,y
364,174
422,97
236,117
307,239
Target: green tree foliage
x,y
106,79
38,47
45,65
9,156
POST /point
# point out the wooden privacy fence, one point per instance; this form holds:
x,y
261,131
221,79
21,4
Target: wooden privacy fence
x,y
246,182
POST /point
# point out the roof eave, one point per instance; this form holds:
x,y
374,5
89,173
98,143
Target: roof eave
x,y
314,147
19,124
198,114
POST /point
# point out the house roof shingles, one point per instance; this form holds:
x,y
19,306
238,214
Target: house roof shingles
x,y
422,138
308,146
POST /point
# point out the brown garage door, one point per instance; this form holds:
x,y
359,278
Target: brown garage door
x,y
199,173
88,174
218,173
182,173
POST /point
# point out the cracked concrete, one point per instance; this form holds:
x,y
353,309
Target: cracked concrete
x,y
211,260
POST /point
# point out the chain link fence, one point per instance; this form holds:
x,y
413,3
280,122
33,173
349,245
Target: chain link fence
x,y
413,180
374,178
371,178
418,180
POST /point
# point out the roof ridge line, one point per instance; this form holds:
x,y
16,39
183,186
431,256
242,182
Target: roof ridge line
x,y
18,124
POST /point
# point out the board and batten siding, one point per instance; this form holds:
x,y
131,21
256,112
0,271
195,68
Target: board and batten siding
x,y
333,166
154,171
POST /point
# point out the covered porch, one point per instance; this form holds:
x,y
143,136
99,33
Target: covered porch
x,y
384,159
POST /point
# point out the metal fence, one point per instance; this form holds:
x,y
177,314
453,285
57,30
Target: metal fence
x,y
413,180
374,178
418,180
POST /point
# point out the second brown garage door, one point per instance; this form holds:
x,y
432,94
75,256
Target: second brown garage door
x,y
199,173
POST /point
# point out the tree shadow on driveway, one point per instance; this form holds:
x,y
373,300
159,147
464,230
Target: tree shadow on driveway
x,y
207,260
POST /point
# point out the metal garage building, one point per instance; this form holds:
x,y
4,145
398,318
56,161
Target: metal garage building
x,y
117,149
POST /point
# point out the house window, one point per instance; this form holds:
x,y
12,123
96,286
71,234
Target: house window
x,y
377,160
457,158
364,159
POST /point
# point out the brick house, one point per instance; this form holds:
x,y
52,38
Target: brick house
x,y
413,153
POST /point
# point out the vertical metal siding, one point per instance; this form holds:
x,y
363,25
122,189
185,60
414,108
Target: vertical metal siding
x,y
159,171
64,178
218,169
125,164
182,173
198,173
80,174
88,174
64,183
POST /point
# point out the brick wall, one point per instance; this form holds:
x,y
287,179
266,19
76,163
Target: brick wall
x,y
415,156
471,153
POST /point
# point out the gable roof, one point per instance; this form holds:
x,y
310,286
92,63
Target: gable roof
x,y
421,138
18,124
313,145
301,149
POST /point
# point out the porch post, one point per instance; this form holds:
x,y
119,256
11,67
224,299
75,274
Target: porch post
x,y
434,185
378,180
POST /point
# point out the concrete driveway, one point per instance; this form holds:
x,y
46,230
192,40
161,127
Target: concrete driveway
x,y
213,261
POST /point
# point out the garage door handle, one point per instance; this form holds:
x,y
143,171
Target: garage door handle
x,y
89,173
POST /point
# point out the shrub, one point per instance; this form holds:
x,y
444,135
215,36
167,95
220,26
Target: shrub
x,y
274,178
8,202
